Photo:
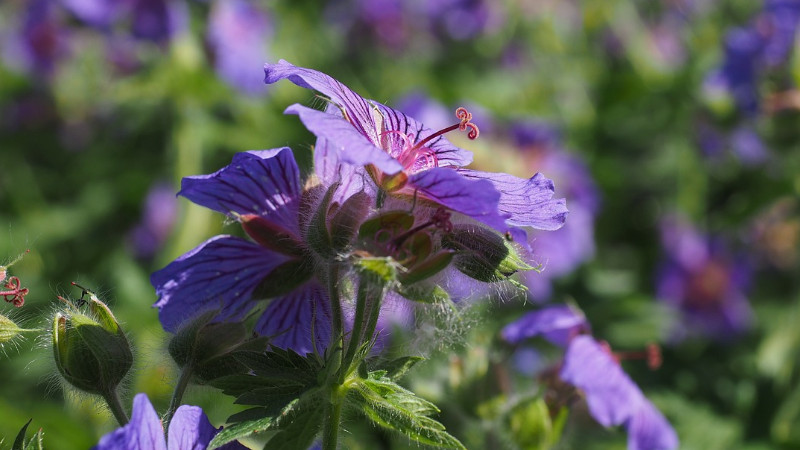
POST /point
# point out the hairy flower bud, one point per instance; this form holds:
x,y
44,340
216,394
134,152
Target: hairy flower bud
x,y
482,254
90,350
9,330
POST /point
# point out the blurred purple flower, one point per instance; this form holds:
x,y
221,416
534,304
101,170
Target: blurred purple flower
x,y
748,147
263,191
613,398
152,20
158,218
406,159
699,278
560,251
465,19
188,430
238,31
40,40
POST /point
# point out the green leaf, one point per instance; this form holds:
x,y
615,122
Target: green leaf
x,y
391,406
36,442
19,442
396,368
299,428
295,411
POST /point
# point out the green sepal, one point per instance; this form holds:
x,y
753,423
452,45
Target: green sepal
x,y
9,330
423,293
384,269
531,424
482,254
427,268
200,340
285,278
345,222
19,442
391,406
394,222
319,236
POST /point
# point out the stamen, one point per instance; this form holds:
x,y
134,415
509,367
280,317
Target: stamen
x,y
651,353
15,293
464,118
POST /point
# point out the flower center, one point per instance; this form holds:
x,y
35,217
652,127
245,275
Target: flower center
x,y
707,288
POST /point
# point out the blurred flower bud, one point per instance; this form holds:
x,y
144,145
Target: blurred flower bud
x,y
482,254
91,351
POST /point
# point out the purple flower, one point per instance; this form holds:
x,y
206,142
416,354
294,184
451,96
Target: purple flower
x,y
39,42
237,34
557,324
153,20
188,430
704,282
263,191
613,398
405,159
158,218
464,19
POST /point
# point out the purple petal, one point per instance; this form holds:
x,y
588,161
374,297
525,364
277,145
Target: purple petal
x,y
649,430
190,429
295,318
611,395
219,274
526,203
360,113
353,179
351,146
158,20
474,198
143,432
557,324
265,183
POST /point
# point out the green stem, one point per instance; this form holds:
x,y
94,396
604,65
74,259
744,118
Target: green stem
x,y
177,395
358,325
333,417
112,399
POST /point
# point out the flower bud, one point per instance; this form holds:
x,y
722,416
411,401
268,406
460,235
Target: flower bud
x,y
482,254
9,330
91,351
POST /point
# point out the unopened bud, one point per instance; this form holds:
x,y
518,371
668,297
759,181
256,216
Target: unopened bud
x,y
91,351
9,330
482,254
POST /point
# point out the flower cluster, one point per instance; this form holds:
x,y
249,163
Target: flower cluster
x,y
387,188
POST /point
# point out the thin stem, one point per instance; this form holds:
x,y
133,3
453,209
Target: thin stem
x,y
112,400
177,395
358,325
333,413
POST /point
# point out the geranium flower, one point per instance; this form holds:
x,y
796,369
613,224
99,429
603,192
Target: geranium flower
x,y
263,191
404,158
188,430
613,398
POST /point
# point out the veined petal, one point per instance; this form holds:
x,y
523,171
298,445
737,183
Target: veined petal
x,y
649,430
353,179
191,430
446,153
219,274
612,397
295,318
527,203
351,146
143,432
360,113
265,183
477,199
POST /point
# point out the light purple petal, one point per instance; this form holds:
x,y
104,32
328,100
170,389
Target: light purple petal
x,y
328,168
526,203
351,146
557,324
612,396
143,432
360,113
265,183
219,274
190,429
649,430
295,318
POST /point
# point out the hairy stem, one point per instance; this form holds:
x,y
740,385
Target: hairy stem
x,y
177,395
333,417
333,413
112,400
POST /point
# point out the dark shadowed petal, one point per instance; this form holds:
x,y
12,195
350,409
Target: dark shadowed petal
x,y
359,111
474,198
611,395
191,430
447,154
351,146
294,319
526,203
557,324
649,430
143,432
158,20
265,183
219,274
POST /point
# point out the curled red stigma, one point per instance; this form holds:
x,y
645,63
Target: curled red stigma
x,y
15,293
